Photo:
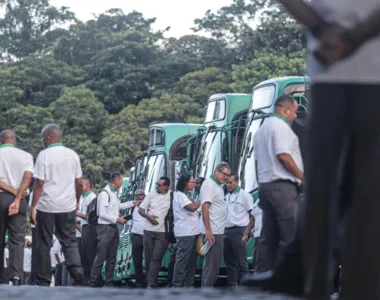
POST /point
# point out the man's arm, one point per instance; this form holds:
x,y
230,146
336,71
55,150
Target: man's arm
x,y
256,171
7,188
38,185
78,188
365,30
304,14
26,180
289,164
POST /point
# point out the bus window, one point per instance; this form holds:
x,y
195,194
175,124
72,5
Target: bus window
x,y
155,170
156,137
216,110
263,97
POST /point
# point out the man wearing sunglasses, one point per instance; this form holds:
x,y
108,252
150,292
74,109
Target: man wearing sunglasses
x,y
155,208
214,216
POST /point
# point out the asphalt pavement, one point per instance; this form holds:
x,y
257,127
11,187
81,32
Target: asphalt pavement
x,y
84,293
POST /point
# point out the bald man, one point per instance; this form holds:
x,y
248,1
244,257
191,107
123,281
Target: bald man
x,y
57,190
16,169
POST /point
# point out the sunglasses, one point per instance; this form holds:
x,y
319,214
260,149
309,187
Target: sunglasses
x,y
224,173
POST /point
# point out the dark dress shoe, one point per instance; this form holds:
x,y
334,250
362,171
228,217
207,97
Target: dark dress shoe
x,y
16,281
78,277
274,283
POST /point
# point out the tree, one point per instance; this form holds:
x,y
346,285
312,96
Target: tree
x,y
27,122
78,112
30,26
266,66
127,131
40,78
200,85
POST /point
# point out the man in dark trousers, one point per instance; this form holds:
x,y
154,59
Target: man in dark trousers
x,y
89,235
57,189
344,65
16,169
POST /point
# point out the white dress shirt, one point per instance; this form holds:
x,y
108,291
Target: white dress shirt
x,y
109,206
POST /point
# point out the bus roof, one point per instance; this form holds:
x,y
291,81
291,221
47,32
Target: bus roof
x,y
169,125
234,104
284,79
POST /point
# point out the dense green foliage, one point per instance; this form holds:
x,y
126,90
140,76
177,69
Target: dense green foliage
x,y
106,80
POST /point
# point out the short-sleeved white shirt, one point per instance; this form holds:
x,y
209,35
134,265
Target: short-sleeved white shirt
x,y
84,201
186,223
139,223
212,192
239,204
257,213
58,166
6,256
158,205
276,137
361,67
14,163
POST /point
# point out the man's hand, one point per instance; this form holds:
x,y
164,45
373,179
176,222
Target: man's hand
x,y
246,237
137,202
121,221
333,46
152,219
33,215
14,207
210,237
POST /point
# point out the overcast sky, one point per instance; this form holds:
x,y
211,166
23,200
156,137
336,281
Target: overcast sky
x,y
178,14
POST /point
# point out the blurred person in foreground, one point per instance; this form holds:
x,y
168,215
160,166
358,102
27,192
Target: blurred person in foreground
x,y
342,155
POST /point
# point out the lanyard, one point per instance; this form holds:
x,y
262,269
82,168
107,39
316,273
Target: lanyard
x,y
236,198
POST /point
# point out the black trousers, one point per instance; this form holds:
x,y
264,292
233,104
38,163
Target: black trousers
x,y
63,225
279,201
137,257
90,243
343,119
17,227
108,242
82,253
33,272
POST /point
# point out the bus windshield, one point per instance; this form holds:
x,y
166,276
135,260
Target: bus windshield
x,y
247,172
211,154
263,97
216,110
155,170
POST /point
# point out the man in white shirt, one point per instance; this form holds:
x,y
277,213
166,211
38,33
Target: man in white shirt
x,y
89,235
213,222
16,169
155,208
109,207
279,169
57,189
343,130
344,66
138,226
239,205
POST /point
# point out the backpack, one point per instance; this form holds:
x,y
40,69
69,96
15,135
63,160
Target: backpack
x,y
169,222
92,209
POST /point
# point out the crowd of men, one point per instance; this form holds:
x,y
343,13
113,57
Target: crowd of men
x,y
215,210
296,246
